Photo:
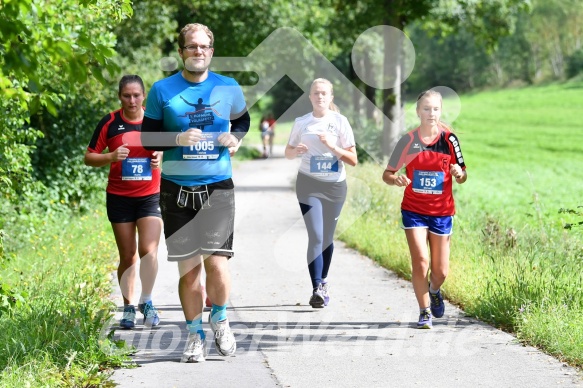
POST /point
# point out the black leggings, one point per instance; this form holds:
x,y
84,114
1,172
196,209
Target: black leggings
x,y
321,210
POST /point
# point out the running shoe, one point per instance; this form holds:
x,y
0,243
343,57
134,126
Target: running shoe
x,y
325,293
128,319
437,305
425,320
196,349
224,338
317,300
150,312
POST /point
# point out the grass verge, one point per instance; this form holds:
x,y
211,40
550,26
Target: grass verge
x,y
56,336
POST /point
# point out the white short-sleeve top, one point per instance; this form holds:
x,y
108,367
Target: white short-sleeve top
x,y
306,130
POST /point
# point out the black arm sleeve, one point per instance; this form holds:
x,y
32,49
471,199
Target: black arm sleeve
x,y
240,125
153,137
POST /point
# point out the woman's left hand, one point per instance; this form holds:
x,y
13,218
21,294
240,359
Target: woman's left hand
x,y
326,141
456,171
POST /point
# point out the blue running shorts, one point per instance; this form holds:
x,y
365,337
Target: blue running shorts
x,y
439,225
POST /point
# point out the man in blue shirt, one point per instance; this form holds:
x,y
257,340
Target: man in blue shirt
x,y
195,116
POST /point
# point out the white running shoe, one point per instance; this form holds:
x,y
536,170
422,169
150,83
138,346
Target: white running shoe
x,y
196,349
224,338
317,300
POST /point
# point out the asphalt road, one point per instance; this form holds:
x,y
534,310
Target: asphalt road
x,y
365,337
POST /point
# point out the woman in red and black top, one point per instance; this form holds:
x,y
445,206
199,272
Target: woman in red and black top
x,y
133,194
432,158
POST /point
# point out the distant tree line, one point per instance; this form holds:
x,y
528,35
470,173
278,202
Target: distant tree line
x,y
546,44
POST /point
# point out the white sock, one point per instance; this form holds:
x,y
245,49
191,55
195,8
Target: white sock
x,y
145,298
432,290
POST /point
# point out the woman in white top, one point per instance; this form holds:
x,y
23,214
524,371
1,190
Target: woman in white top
x,y
324,140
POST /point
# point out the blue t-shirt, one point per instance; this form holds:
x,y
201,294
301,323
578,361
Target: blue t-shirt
x,y
209,106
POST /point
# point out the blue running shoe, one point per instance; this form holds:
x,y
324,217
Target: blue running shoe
x,y
128,319
150,312
425,320
437,305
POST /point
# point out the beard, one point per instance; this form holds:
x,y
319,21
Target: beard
x,y
196,67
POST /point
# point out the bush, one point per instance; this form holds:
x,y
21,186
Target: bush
x,y
575,64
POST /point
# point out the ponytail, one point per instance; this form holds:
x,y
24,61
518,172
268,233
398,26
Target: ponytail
x,y
334,108
445,126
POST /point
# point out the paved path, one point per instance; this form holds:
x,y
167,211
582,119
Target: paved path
x,y
365,337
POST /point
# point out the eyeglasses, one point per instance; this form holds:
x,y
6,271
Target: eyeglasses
x,y
193,48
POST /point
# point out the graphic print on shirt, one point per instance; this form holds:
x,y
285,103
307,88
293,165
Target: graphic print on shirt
x,y
203,115
331,129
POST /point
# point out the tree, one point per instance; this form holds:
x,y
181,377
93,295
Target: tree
x,y
57,160
240,26
47,48
488,20
554,32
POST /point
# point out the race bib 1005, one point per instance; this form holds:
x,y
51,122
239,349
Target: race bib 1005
x,y
206,148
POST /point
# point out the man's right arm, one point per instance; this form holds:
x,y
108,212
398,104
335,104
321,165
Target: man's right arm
x,y
154,137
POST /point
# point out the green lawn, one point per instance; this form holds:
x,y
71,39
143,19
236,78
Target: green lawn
x,y
523,148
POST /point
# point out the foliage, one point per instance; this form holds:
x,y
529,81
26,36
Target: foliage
x,y
10,300
58,161
454,60
554,33
247,153
487,20
42,156
311,19
144,41
46,51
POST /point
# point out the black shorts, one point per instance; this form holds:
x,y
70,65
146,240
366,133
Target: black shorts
x,y
130,209
199,219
